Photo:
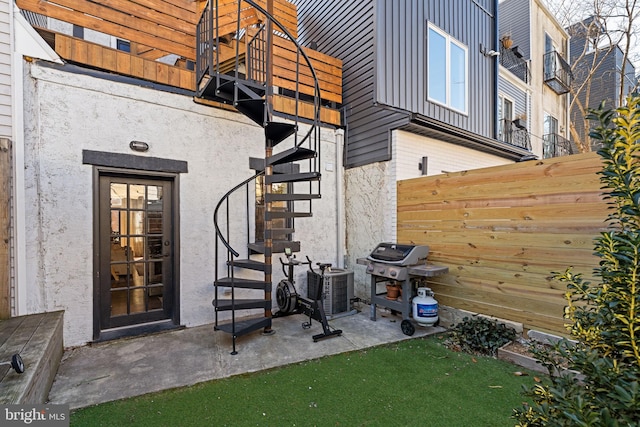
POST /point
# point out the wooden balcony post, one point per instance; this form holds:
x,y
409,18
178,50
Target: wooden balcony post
x,y
268,238
5,220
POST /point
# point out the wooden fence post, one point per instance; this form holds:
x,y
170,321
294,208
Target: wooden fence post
x,y
5,220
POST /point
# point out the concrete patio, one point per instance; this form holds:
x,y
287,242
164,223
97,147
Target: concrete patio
x,y
125,368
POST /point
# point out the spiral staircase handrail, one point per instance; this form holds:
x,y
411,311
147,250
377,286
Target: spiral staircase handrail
x,y
316,120
225,242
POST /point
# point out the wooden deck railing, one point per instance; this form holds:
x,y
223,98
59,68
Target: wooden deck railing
x,y
328,70
165,25
83,52
156,28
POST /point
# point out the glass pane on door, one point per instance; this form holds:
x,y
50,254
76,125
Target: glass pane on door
x,y
140,253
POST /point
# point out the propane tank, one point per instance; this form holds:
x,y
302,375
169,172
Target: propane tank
x,y
425,308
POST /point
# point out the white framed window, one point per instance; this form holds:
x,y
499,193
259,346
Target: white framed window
x,y
505,117
447,70
505,107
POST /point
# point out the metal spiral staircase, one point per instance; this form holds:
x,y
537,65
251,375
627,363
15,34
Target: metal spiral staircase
x,y
233,66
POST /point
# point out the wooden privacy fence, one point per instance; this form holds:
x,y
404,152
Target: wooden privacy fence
x,y
502,231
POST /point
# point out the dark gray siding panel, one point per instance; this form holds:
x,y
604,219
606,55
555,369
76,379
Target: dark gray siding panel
x,y
602,85
382,44
345,30
603,81
401,60
515,20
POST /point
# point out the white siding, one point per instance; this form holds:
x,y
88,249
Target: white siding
x,y
5,69
442,156
370,205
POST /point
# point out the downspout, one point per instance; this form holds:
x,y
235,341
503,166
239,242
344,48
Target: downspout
x,y
340,208
496,69
19,210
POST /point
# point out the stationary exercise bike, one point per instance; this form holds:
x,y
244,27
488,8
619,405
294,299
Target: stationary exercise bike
x,y
16,363
290,302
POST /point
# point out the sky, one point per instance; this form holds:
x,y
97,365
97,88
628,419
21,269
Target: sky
x,y
572,11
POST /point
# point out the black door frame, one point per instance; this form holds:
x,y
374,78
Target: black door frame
x,y
100,334
162,252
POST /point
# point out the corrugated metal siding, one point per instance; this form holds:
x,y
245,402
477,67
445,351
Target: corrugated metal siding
x,y
35,19
382,46
346,30
402,53
603,86
604,81
514,19
5,69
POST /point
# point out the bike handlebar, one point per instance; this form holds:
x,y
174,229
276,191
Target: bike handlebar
x,y
321,265
291,261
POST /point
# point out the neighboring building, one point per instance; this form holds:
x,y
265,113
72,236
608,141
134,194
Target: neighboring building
x,y
6,136
514,96
420,89
6,54
535,77
122,170
600,72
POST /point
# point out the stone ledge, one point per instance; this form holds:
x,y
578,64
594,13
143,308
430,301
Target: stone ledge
x,y
450,317
38,340
529,362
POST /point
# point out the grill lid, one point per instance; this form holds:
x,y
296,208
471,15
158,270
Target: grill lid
x,y
396,254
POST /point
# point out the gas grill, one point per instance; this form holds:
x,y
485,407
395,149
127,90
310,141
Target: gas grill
x,y
398,264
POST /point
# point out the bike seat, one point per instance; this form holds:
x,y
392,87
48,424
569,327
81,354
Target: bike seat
x,y
323,265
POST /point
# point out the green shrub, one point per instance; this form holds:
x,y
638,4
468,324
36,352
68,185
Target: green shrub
x,y
603,317
482,335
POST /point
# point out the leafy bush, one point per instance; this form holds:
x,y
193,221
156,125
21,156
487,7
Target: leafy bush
x,y
482,335
603,317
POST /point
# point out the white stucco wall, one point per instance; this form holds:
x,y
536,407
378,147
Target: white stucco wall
x,y
371,194
66,113
368,203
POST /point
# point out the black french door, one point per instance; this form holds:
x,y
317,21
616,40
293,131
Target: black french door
x,y
136,277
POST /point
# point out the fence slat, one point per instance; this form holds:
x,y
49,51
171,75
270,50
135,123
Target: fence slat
x,y
503,231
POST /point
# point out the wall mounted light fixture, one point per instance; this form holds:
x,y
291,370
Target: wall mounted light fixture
x,y
422,166
139,146
488,53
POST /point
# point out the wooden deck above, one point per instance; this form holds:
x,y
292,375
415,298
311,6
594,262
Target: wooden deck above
x,y
156,29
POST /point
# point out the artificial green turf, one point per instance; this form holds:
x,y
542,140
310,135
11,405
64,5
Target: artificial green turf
x,y
417,382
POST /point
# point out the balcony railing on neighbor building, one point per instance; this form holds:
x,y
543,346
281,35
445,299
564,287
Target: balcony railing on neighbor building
x,y
512,60
556,145
557,72
513,134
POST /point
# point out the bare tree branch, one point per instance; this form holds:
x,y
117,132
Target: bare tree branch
x,y
610,29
